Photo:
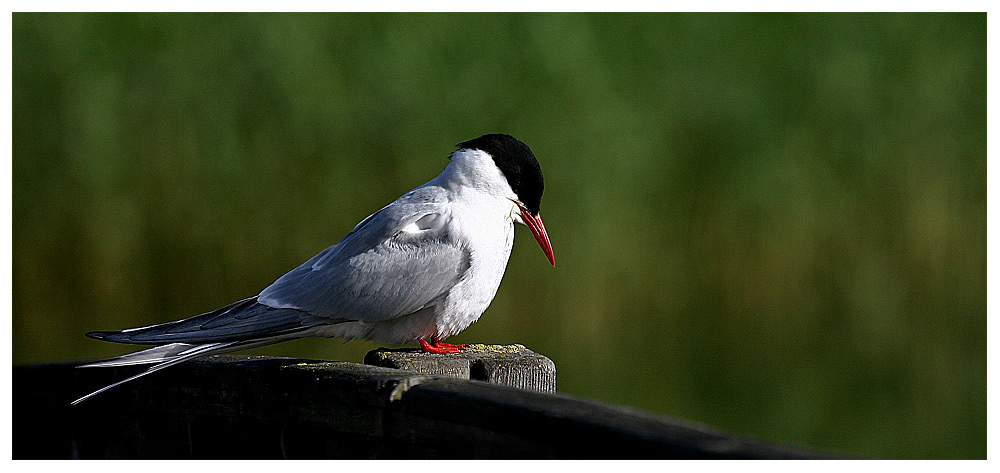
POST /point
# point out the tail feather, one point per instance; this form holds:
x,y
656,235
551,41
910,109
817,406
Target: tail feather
x,y
238,326
191,353
153,355
172,354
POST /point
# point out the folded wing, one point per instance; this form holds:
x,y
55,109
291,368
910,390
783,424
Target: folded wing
x,y
396,262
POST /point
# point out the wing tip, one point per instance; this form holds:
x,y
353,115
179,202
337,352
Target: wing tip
x,y
110,336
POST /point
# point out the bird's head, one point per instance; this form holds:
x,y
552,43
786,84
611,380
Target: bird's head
x,y
523,177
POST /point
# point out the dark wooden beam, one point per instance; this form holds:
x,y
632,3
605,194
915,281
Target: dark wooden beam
x,y
239,407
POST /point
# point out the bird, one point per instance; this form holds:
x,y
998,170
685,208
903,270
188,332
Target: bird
x,y
421,269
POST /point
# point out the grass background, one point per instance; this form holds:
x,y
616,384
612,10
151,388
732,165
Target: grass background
x,y
774,224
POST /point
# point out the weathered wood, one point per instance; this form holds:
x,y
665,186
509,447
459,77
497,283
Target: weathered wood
x,y
238,407
508,365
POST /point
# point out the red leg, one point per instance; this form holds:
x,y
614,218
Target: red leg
x,y
436,346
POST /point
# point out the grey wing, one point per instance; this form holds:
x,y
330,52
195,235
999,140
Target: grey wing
x,y
239,321
396,262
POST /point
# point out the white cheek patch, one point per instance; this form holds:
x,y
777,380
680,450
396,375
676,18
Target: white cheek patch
x,y
515,214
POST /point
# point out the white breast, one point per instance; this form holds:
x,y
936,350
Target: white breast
x,y
488,230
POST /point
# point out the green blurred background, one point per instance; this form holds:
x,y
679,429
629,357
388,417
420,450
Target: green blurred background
x,y
774,224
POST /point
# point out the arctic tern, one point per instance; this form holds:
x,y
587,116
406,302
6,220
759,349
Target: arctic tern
x,y
422,268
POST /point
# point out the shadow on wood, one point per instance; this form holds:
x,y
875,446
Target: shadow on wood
x,y
239,407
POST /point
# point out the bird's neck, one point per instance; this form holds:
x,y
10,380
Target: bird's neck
x,y
474,170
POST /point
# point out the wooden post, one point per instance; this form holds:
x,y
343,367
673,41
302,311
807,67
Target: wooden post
x,y
508,365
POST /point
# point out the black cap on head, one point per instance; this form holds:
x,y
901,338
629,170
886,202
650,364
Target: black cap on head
x,y
518,165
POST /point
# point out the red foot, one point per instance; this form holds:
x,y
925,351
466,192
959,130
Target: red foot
x,y
439,347
440,344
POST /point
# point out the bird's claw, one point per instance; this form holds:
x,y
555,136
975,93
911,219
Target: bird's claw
x,y
439,347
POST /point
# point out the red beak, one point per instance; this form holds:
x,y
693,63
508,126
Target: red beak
x,y
538,230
